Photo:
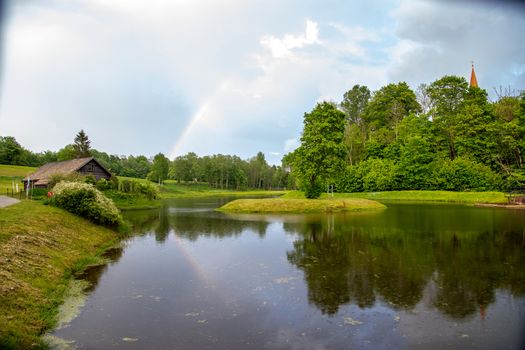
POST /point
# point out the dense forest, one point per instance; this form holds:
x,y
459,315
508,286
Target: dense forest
x,y
443,136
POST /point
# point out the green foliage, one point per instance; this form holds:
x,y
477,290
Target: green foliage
x,y
159,168
389,105
85,200
142,188
355,102
313,190
66,153
371,175
90,179
82,145
462,174
10,151
72,177
321,156
103,185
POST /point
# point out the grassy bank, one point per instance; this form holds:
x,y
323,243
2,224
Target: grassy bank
x,y
171,189
280,205
424,196
41,248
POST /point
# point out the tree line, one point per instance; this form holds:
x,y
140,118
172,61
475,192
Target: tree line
x,y
443,136
219,171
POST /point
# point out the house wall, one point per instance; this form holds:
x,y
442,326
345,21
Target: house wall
x,y
92,168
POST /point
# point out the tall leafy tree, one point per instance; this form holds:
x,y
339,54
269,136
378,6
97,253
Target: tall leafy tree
x,y
390,104
353,105
159,168
321,156
82,145
447,96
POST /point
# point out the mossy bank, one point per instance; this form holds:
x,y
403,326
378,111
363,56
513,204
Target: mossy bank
x,y
285,205
41,249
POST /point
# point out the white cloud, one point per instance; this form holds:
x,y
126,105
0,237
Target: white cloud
x,y
283,47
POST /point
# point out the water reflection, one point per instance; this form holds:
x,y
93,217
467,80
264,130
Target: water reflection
x,y
347,260
191,224
193,278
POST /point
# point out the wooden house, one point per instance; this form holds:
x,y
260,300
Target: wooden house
x,y
83,166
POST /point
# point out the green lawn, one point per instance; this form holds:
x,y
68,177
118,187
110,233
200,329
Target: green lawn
x,y
172,189
16,170
10,173
41,247
432,196
292,205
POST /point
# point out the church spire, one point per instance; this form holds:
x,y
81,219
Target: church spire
x,y
473,80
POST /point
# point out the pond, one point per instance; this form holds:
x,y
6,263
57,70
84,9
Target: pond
x,y
410,276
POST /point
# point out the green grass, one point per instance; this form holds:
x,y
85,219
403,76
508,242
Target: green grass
x,y
282,205
424,196
8,173
15,170
172,189
41,247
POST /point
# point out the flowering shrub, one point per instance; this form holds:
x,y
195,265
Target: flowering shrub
x,y
85,200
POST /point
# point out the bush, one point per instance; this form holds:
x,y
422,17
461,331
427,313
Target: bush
x,y
73,177
147,189
85,200
103,185
462,174
90,179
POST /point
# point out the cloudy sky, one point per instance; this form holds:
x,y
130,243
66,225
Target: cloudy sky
x,y
230,76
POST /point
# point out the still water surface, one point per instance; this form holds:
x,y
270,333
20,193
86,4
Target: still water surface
x,y
410,276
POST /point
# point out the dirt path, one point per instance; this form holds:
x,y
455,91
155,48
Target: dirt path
x,y
6,201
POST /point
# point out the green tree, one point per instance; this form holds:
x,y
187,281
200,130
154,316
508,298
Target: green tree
x,y
389,105
354,105
159,168
10,151
321,156
66,153
447,96
81,145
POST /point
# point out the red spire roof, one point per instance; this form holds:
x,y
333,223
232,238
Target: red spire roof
x,y
473,80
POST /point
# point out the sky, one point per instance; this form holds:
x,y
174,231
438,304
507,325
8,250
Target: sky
x,y
230,76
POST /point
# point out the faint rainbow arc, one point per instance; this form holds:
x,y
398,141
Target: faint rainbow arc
x,y
201,114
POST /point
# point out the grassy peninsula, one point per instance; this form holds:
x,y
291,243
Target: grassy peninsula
x,y
422,196
41,248
292,205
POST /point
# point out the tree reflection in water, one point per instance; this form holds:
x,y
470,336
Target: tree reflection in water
x,y
451,258
458,271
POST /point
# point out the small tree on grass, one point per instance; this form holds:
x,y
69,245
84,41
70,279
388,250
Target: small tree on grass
x,y
321,156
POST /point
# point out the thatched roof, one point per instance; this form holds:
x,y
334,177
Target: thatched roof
x,y
41,176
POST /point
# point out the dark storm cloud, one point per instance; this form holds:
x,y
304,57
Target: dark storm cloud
x,y
442,38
